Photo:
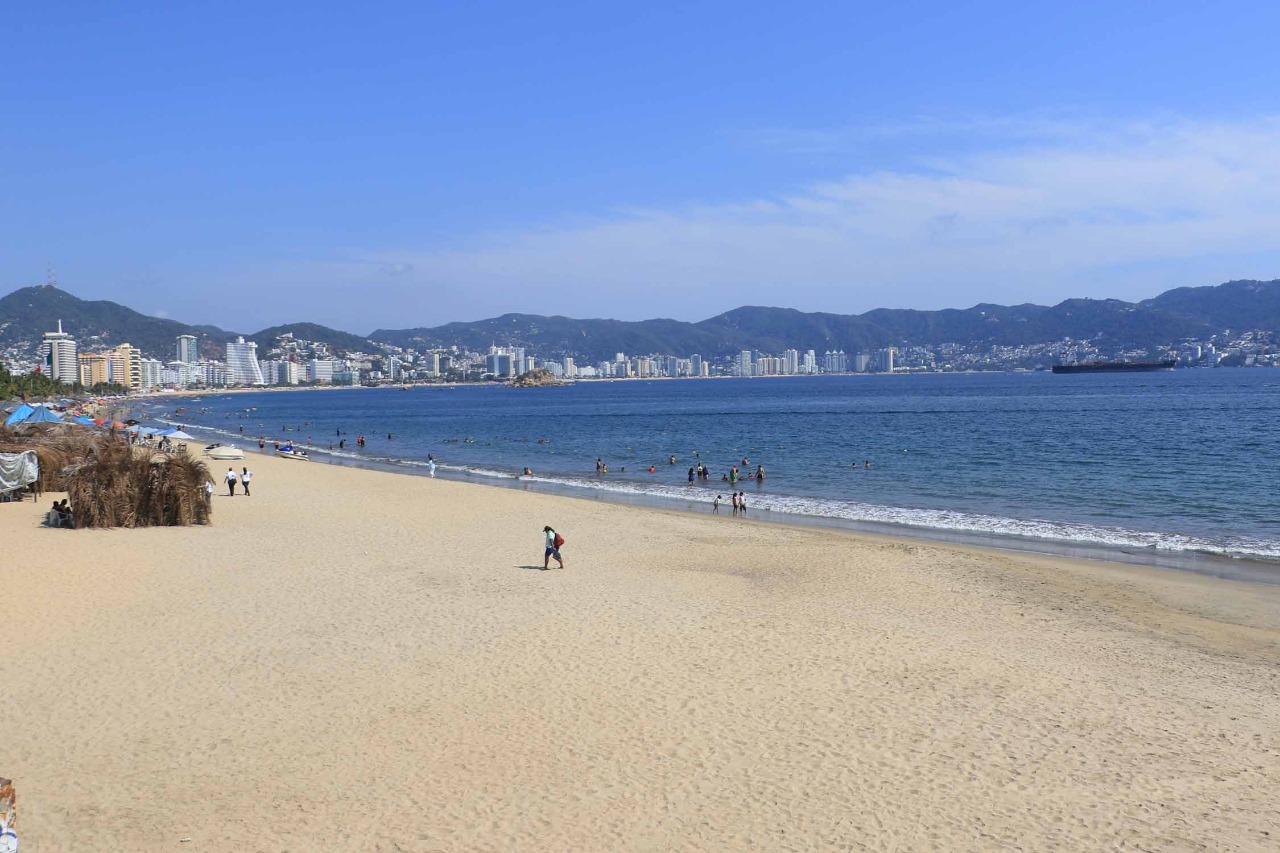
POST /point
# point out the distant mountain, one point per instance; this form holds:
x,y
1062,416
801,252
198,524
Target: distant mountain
x,y
1186,312
1182,313
337,341
1234,305
557,336
26,314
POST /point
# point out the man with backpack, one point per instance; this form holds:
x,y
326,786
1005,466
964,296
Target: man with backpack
x,y
554,542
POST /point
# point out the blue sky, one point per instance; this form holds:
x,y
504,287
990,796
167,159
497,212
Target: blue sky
x,y
391,165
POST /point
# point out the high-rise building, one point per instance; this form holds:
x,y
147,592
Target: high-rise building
x,y
188,349
179,373
885,360
130,367
320,370
59,352
695,365
792,359
835,362
149,370
499,364
744,363
570,370
810,365
93,369
862,362
242,363
117,369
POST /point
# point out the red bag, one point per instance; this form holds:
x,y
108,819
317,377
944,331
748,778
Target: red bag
x,y
559,540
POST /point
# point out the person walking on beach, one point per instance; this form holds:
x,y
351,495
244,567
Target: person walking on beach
x,y
733,496
554,543
431,467
208,492
742,502
245,476
715,506
231,482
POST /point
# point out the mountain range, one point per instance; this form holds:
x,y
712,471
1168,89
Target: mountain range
x,y
1185,312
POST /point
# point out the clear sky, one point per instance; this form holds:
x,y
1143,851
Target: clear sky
x,y
384,165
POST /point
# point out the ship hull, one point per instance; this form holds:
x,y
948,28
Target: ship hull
x,y
1115,367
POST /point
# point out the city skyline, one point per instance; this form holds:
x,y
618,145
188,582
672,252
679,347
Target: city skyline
x,y
295,361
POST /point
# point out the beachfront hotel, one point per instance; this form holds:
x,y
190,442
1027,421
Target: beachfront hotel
x,y
242,363
59,356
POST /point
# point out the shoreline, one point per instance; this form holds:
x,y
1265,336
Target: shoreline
x,y
1252,569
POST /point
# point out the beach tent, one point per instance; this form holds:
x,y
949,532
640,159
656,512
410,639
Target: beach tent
x,y
178,434
79,419
19,414
42,415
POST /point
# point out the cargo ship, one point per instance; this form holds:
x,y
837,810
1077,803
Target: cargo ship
x,y
1114,366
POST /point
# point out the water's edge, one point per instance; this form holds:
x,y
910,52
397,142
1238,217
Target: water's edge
x,y
1211,565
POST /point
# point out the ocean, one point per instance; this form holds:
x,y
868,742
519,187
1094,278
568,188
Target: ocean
x,y
1166,468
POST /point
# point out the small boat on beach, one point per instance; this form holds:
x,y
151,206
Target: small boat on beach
x,y
291,452
223,452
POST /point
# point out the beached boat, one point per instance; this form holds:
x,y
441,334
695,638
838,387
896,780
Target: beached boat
x,y
290,452
223,452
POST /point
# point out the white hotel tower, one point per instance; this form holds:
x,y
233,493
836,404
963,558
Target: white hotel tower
x,y
59,351
242,363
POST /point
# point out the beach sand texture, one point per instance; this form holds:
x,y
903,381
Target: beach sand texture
x,y
355,660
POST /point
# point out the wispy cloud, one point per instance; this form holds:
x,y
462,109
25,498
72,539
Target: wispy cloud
x,y
1057,209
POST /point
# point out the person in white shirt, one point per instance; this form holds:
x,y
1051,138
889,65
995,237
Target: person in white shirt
x,y
231,482
208,491
245,476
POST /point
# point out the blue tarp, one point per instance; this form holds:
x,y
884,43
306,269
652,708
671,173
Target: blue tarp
x,y
19,414
41,415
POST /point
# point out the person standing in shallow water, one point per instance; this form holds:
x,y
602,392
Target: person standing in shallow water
x,y
553,544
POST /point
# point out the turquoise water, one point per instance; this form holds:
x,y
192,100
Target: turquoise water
x,y
1179,462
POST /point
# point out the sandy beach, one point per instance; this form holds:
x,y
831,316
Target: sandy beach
x,y
355,660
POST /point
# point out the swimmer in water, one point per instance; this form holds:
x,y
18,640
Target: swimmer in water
x,y
866,463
